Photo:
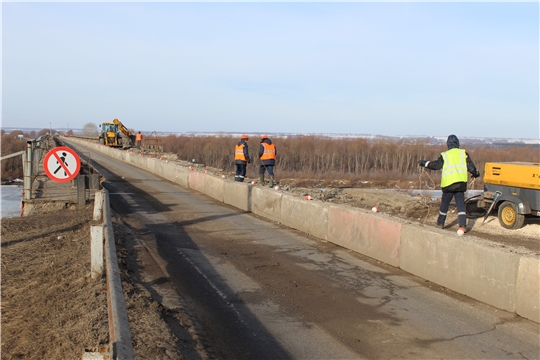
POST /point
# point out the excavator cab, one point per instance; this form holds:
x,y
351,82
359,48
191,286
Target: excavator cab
x,y
109,135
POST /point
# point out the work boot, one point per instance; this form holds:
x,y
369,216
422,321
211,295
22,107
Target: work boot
x,y
271,184
261,179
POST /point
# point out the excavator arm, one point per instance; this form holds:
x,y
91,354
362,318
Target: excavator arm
x,y
125,130
122,127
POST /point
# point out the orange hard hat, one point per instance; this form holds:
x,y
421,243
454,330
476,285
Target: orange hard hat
x,y
244,137
264,137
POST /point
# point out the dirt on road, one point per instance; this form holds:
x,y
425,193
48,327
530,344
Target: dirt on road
x,y
53,309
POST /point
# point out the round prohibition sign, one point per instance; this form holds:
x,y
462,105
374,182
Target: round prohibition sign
x,y
62,164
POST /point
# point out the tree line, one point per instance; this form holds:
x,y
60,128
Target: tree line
x,y
309,157
355,159
13,142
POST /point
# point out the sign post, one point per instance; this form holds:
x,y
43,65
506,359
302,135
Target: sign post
x,y
62,164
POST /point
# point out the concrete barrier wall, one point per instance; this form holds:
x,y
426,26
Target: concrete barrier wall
x,y
527,289
160,167
373,236
266,203
466,265
196,180
139,161
213,187
180,174
151,164
310,217
237,194
482,272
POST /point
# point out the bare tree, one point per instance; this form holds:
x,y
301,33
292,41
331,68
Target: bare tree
x,y
90,129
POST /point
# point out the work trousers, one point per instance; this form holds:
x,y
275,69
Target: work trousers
x,y
269,168
460,204
240,172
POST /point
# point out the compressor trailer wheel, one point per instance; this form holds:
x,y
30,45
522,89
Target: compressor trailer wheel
x,y
509,217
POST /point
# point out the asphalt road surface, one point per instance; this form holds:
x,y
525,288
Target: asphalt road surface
x,y
259,290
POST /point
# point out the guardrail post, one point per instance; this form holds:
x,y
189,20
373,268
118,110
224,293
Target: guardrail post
x,y
94,181
27,171
81,191
97,236
98,205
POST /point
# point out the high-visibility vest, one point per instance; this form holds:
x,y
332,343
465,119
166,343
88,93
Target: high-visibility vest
x,y
454,168
138,137
239,152
269,151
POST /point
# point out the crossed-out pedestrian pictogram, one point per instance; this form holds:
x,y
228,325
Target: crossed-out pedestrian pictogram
x,y
62,164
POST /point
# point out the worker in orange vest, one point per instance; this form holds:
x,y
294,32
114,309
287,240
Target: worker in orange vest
x,y
241,158
267,155
138,139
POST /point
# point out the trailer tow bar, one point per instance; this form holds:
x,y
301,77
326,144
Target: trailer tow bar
x,y
497,194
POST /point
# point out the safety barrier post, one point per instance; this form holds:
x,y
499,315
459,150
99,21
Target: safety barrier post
x,y
81,191
27,169
96,247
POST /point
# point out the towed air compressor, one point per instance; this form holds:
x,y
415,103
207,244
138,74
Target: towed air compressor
x,y
513,190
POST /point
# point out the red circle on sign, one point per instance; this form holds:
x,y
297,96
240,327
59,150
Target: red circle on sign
x,y
62,164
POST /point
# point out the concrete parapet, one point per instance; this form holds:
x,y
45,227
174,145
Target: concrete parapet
x,y
180,175
310,217
237,194
126,156
464,265
151,164
114,153
213,187
139,160
196,180
367,234
109,151
527,290
266,203
159,169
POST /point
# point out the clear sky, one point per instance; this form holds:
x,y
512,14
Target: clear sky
x,y
408,68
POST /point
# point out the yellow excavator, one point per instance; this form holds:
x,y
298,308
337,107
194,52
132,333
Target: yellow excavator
x,y
111,134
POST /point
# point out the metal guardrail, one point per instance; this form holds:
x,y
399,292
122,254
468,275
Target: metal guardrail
x,y
119,332
31,158
37,185
104,260
36,149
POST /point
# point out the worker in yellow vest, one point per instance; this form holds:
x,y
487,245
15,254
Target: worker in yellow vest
x,y
241,158
455,163
267,155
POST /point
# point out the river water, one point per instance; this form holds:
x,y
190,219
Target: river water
x,y
11,200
